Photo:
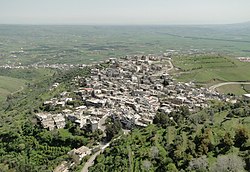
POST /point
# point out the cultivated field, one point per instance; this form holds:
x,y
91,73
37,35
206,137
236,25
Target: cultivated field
x,y
210,69
86,44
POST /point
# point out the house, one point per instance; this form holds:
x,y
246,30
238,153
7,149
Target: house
x,y
93,125
96,102
78,154
46,120
59,120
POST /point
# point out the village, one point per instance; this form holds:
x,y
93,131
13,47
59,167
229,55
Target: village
x,y
130,89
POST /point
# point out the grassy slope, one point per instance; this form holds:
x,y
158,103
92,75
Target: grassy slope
x,y
205,70
12,80
9,85
235,89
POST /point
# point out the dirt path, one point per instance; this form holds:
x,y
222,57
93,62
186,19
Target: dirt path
x,y
21,89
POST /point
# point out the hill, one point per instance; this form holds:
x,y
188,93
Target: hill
x,y
211,69
216,139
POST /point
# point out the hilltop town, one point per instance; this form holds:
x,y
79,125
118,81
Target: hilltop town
x,y
130,89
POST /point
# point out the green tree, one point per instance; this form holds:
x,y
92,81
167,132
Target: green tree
x,y
199,164
113,129
241,136
161,119
227,142
226,163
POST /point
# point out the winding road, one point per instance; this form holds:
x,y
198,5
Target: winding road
x,y
171,65
91,160
228,83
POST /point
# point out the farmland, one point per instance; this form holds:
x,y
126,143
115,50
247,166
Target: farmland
x,y
211,69
24,44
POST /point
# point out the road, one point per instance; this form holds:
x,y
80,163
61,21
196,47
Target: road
x,y
165,69
91,160
227,83
171,65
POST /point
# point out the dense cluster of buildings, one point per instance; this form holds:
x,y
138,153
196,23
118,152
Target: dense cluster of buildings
x,y
130,89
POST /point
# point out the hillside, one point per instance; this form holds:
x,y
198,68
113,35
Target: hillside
x,y
15,80
9,85
26,147
216,139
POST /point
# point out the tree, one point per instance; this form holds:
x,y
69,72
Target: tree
x,y
225,163
227,142
146,165
98,168
199,164
184,111
161,119
204,142
171,167
241,136
113,129
154,152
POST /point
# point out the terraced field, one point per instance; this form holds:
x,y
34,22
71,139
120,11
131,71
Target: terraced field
x,y
211,69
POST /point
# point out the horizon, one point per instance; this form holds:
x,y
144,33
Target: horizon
x,y
44,24
115,12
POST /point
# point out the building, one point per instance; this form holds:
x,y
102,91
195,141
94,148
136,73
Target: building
x,y
78,154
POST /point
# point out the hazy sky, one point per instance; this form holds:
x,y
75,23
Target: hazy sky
x,y
124,11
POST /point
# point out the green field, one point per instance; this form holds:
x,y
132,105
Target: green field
x,y
234,88
9,85
85,44
210,69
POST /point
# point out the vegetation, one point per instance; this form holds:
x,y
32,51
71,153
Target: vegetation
x,y
210,69
86,44
15,80
9,85
235,89
113,127
215,139
24,146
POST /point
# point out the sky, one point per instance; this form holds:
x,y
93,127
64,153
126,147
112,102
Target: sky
x,y
124,12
